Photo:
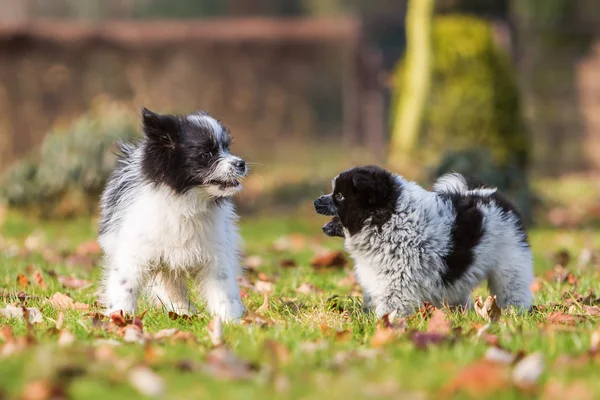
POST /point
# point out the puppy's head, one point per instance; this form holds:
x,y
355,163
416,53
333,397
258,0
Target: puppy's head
x,y
358,194
191,151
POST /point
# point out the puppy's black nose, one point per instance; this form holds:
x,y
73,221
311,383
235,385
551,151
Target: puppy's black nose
x,y
240,165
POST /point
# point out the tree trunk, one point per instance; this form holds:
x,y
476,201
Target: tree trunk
x,y
412,94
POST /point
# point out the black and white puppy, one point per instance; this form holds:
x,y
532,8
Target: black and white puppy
x,y
166,216
411,245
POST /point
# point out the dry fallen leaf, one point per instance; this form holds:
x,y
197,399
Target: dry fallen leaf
x,y
264,286
559,318
487,309
215,331
165,333
145,381
65,338
439,323
480,379
253,262
265,305
222,363
19,311
528,370
387,331
72,282
579,390
288,263
39,279
329,259
294,242
422,340
62,301
308,288
89,248
42,390
133,334
279,353
343,336
22,280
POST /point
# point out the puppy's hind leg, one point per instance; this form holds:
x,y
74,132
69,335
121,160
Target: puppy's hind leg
x,y
169,290
510,281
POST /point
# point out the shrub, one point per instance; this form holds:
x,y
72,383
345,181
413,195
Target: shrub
x,y
68,172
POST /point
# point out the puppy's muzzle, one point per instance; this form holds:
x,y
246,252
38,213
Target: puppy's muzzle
x,y
333,228
324,206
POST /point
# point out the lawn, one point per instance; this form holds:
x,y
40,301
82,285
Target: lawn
x,y
305,338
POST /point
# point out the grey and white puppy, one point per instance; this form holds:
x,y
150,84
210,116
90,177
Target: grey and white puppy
x,y
166,216
411,245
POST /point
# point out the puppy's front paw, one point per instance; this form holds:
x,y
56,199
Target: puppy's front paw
x,y
230,310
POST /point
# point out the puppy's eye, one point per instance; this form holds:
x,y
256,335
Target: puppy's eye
x,y
339,197
207,155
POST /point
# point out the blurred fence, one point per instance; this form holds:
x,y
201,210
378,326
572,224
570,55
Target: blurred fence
x,y
268,79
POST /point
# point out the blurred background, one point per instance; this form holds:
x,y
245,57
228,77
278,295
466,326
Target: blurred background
x,y
506,90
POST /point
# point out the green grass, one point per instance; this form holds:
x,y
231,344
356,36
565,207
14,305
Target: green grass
x,y
330,369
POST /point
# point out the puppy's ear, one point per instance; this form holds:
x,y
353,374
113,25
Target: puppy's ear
x,y
163,129
374,188
367,186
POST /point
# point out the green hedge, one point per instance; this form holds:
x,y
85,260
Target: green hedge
x,y
474,99
68,172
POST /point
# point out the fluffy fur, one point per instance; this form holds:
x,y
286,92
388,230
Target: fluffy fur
x,y
166,216
411,245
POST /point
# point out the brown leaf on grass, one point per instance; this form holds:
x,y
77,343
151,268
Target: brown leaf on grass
x,y
423,340
288,263
89,248
348,281
559,318
222,363
264,286
39,279
42,389
439,323
487,309
593,311
65,338
165,333
527,371
535,286
574,390
308,288
133,334
62,301
294,242
215,331
146,382
479,379
343,336
80,261
22,280
279,354
387,331
13,344
595,342
265,304
253,262
73,283
174,316
329,259
252,318
427,310
560,274
19,311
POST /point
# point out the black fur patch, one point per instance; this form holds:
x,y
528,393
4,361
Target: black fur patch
x,y
178,153
465,235
468,229
365,192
